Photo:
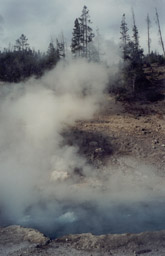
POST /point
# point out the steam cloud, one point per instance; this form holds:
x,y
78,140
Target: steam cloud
x,y
38,185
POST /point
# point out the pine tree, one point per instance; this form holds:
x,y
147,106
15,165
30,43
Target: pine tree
x,y
133,72
87,34
137,51
82,35
52,56
76,46
135,33
136,57
60,45
21,43
124,38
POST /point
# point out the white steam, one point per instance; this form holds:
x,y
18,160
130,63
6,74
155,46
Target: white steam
x,y
38,183
33,115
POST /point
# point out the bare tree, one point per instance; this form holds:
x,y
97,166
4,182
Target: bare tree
x,y
159,29
148,34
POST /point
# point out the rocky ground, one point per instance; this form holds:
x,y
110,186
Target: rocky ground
x,y
18,241
136,129
122,131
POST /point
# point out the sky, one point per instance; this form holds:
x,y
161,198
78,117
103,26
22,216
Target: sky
x,y
44,20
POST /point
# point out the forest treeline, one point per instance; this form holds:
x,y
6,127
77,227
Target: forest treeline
x,y
20,61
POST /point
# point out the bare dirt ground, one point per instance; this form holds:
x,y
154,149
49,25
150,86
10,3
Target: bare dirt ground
x,y
136,130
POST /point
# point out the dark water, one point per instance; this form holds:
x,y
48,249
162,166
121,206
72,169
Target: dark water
x,y
119,218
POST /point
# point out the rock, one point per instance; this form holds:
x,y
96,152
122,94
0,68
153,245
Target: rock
x,y
99,150
19,241
19,234
144,131
156,141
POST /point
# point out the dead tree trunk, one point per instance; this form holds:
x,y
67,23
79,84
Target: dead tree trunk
x,y
148,34
160,33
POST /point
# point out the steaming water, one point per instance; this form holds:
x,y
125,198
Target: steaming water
x,y
111,201
127,217
98,209
124,218
38,184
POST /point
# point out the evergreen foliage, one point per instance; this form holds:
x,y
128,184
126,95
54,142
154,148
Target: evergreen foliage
x,y
21,62
21,43
52,57
60,45
133,73
76,39
82,35
124,38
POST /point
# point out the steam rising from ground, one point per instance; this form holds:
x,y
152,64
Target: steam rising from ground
x,y
38,183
